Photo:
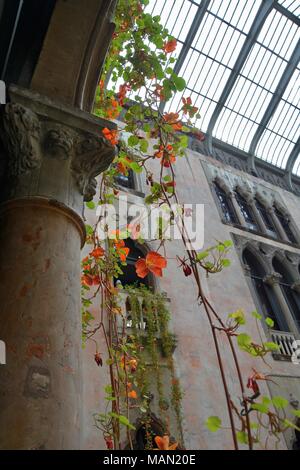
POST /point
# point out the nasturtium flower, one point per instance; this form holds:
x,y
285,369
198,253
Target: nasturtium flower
x,y
97,252
170,46
153,263
132,394
163,443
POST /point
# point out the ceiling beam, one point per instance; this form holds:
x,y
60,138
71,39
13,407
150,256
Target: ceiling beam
x,y
284,11
198,18
263,12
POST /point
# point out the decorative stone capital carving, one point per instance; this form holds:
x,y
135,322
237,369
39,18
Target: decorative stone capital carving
x,y
272,278
296,286
52,150
58,143
20,132
87,164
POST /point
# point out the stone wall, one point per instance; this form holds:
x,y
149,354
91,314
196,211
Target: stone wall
x,y
195,356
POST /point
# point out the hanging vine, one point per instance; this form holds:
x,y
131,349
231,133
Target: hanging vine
x,y
139,66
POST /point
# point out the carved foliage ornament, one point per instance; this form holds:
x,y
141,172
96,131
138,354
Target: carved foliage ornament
x,y
21,136
30,141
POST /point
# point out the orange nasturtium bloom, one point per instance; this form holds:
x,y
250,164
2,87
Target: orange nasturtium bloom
x,y
153,263
173,120
121,249
97,252
163,443
132,394
170,46
110,135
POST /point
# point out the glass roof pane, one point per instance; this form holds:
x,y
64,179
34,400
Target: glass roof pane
x,y
177,19
239,13
235,129
292,5
212,55
279,34
274,149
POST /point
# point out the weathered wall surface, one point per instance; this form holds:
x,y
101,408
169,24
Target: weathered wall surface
x,y
195,355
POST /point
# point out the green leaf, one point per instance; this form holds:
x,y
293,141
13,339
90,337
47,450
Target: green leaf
x,y
280,402
144,145
213,423
291,425
244,340
89,229
90,205
296,413
133,140
136,167
256,315
238,316
225,262
271,346
202,255
242,437
269,322
179,83
260,407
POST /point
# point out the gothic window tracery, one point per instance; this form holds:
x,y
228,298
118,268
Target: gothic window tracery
x,y
225,204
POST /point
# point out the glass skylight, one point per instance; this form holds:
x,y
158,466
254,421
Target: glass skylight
x,y
209,56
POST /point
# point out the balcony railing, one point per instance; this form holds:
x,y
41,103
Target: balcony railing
x,y
284,340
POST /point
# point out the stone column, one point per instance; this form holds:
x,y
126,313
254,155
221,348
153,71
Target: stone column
x,y
258,217
237,209
54,154
282,235
273,280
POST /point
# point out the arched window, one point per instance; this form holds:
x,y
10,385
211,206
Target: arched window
x,y
291,296
265,297
127,181
285,222
129,275
225,204
246,211
267,219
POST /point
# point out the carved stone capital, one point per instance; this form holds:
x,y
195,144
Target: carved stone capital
x,y
53,150
20,132
58,142
272,278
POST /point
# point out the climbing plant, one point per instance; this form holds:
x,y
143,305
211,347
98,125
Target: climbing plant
x,y
137,77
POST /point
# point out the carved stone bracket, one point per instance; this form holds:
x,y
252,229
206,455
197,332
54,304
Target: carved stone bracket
x,y
90,158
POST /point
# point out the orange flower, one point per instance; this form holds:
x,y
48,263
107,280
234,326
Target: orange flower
x,y
132,394
170,46
187,107
121,249
172,119
159,92
122,93
163,443
97,252
110,135
87,280
133,365
153,263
